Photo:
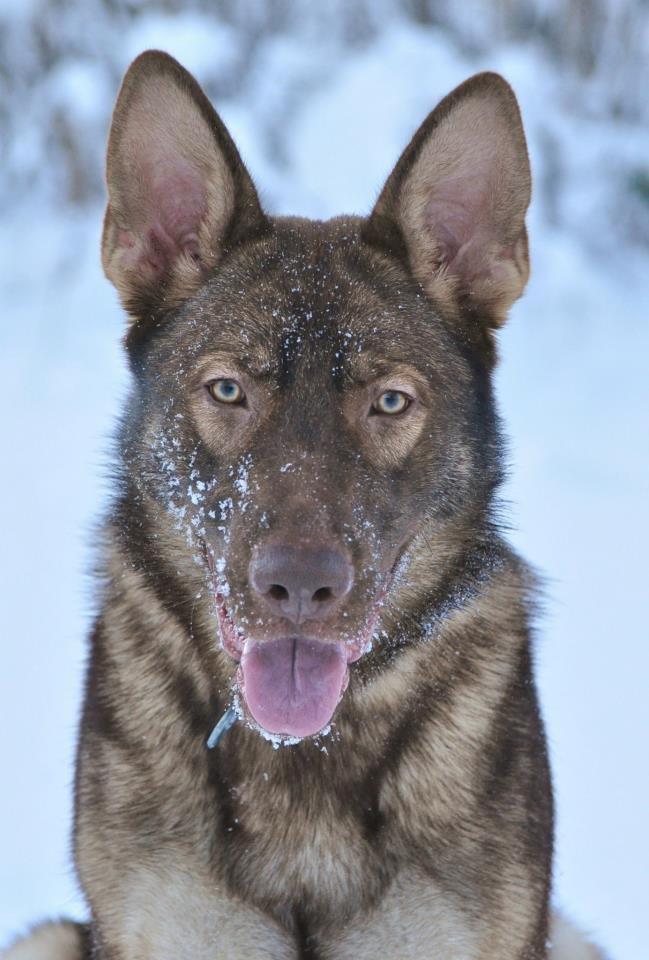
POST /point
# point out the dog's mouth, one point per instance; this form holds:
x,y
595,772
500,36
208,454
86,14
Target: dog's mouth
x,y
292,685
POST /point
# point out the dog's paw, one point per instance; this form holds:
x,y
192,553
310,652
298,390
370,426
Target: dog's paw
x,y
567,942
61,940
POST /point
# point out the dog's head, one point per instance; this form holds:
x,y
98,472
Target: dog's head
x,y
312,419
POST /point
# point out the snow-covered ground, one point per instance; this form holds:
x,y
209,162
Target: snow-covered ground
x,y
573,391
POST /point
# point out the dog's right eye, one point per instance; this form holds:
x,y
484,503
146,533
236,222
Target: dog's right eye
x,y
226,391
391,403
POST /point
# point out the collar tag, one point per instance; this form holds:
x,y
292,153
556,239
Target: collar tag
x,y
227,721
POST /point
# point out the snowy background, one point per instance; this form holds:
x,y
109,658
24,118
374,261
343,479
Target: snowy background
x,y
321,98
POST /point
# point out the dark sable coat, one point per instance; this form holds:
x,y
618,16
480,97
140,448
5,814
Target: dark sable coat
x,y
421,825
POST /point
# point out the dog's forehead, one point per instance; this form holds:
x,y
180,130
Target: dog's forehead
x,y
314,297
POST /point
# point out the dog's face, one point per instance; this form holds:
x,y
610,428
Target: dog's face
x,y
312,409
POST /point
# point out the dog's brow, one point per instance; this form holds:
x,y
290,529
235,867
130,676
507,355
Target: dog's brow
x,y
259,366
366,368
261,370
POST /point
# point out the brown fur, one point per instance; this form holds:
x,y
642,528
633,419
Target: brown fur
x,y
422,826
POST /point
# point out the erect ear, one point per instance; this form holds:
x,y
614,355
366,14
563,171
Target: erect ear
x,y
178,194
455,204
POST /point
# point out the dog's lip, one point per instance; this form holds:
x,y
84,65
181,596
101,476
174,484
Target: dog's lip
x,y
233,639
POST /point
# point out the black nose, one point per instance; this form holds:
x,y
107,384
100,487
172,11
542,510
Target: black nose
x,y
301,583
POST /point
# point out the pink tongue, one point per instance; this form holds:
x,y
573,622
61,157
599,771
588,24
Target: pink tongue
x,y
292,686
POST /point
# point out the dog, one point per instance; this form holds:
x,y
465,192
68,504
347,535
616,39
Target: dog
x,y
311,728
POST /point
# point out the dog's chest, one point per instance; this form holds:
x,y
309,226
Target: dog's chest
x,y
310,850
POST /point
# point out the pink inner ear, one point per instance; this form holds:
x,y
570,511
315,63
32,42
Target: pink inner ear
x,y
460,217
171,208
458,210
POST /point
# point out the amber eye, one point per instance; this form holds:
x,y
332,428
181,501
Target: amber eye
x,y
391,402
226,391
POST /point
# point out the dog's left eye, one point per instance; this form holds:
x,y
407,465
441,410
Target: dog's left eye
x,y
391,402
226,391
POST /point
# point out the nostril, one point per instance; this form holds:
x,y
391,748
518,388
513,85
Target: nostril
x,y
300,582
322,595
277,592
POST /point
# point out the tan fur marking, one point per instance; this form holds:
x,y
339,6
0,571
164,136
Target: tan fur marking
x,y
415,921
386,440
178,914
